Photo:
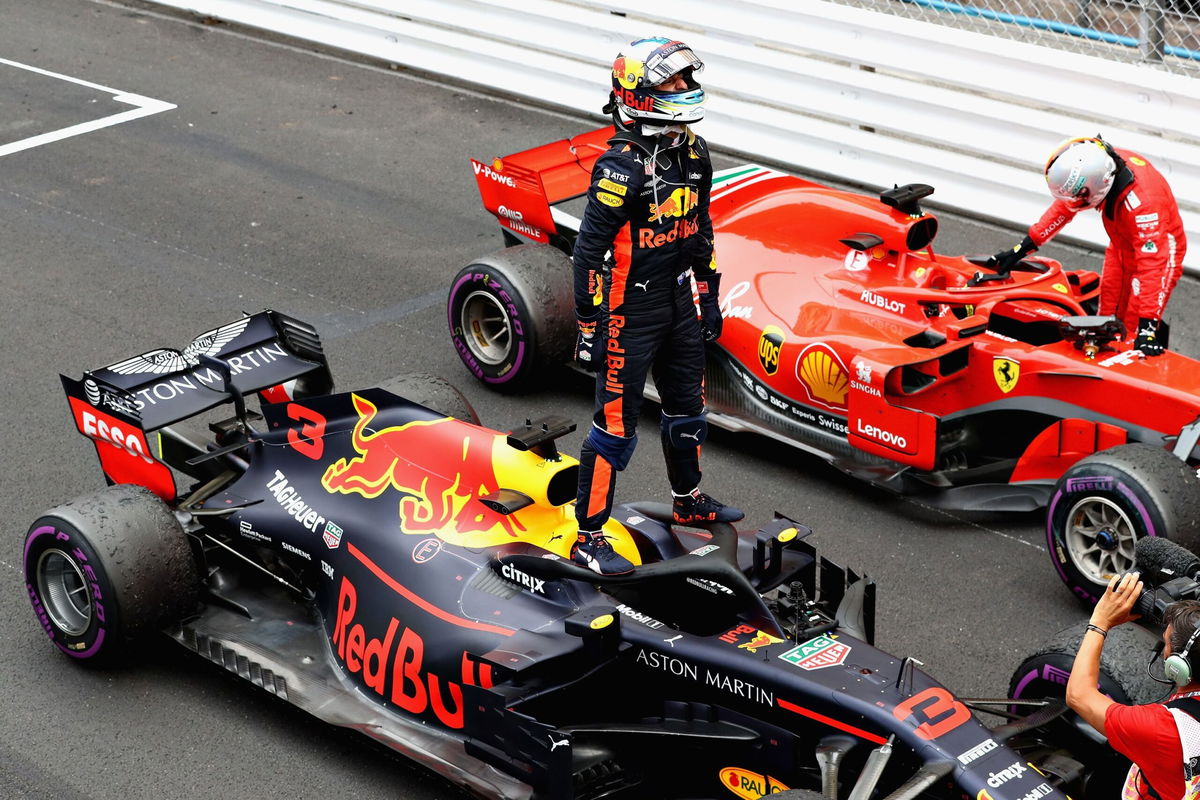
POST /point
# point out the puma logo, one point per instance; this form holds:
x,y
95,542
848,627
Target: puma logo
x,y
642,285
695,436
554,744
673,640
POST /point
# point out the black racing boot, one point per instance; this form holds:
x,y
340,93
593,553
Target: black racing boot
x,y
593,550
690,509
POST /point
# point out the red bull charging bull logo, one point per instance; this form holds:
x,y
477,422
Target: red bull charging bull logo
x,y
757,638
677,204
441,491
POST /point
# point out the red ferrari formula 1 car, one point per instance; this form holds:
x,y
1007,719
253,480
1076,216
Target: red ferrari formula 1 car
x,y
847,336
392,569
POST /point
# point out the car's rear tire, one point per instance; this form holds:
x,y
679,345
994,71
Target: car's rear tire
x,y
1106,502
511,314
1044,673
104,570
433,392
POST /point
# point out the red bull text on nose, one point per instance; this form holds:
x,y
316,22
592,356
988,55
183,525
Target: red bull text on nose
x,y
442,467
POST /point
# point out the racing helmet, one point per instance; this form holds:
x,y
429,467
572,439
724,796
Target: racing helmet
x,y
1081,171
646,63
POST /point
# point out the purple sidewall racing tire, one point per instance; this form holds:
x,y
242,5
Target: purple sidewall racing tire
x,y
104,570
511,315
1104,503
515,360
1044,674
65,546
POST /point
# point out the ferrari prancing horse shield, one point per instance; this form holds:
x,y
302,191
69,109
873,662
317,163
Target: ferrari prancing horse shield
x,y
1007,373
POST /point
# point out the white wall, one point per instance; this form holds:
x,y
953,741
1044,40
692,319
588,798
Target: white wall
x,y
859,95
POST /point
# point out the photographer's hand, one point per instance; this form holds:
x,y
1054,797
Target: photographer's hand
x,y
1116,606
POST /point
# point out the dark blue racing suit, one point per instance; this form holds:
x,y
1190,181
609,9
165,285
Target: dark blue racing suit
x,y
648,205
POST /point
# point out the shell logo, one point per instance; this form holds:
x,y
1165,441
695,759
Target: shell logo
x,y
823,375
750,785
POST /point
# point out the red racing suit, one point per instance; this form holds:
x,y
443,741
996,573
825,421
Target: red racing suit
x,y
1146,245
648,205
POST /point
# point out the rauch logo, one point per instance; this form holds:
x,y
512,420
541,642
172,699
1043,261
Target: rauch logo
x,y
750,785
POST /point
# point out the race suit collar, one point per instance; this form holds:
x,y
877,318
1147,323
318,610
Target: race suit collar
x,y
1123,180
649,138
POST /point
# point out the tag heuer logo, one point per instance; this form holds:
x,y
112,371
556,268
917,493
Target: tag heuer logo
x,y
817,653
332,535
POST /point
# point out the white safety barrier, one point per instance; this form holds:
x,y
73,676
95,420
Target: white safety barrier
x,y
857,95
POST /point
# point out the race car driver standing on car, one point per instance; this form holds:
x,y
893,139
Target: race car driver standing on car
x,y
1161,739
1144,258
647,206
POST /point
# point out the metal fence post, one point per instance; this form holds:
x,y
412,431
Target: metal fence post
x,y
1083,16
1151,33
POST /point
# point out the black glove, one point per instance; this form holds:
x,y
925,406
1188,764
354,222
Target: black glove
x,y
587,342
1005,260
1147,337
711,321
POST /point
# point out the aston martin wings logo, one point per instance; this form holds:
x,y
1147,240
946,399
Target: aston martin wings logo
x,y
164,360
1007,372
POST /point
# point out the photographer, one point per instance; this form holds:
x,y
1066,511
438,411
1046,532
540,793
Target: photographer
x,y
1162,740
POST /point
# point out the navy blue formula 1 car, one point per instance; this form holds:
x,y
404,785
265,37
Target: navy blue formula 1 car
x,y
404,572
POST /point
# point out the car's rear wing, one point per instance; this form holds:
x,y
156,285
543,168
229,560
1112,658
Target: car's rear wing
x,y
519,189
118,406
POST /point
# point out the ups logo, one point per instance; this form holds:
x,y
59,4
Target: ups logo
x,y
770,344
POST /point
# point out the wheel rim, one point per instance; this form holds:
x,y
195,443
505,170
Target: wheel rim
x,y
487,328
64,592
1100,539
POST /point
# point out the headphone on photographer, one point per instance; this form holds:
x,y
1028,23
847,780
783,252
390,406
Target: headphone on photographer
x,y
1177,667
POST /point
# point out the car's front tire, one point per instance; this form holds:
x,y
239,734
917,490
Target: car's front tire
x,y
1123,677
104,570
511,313
1106,502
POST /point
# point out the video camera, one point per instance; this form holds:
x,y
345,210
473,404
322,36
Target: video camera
x,y
1172,572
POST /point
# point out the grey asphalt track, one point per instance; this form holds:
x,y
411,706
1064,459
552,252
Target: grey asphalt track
x,y
339,193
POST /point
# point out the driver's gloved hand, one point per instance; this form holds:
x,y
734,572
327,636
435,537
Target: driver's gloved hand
x,y
1005,260
1147,337
711,321
587,342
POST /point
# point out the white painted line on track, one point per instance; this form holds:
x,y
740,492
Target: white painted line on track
x,y
943,512
142,107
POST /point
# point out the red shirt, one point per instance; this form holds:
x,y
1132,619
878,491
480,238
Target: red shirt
x,y
1147,736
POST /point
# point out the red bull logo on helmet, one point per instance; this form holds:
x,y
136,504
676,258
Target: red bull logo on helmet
x,y
678,204
441,467
629,72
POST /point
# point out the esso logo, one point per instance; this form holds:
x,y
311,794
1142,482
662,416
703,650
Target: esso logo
x,y
510,213
130,442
